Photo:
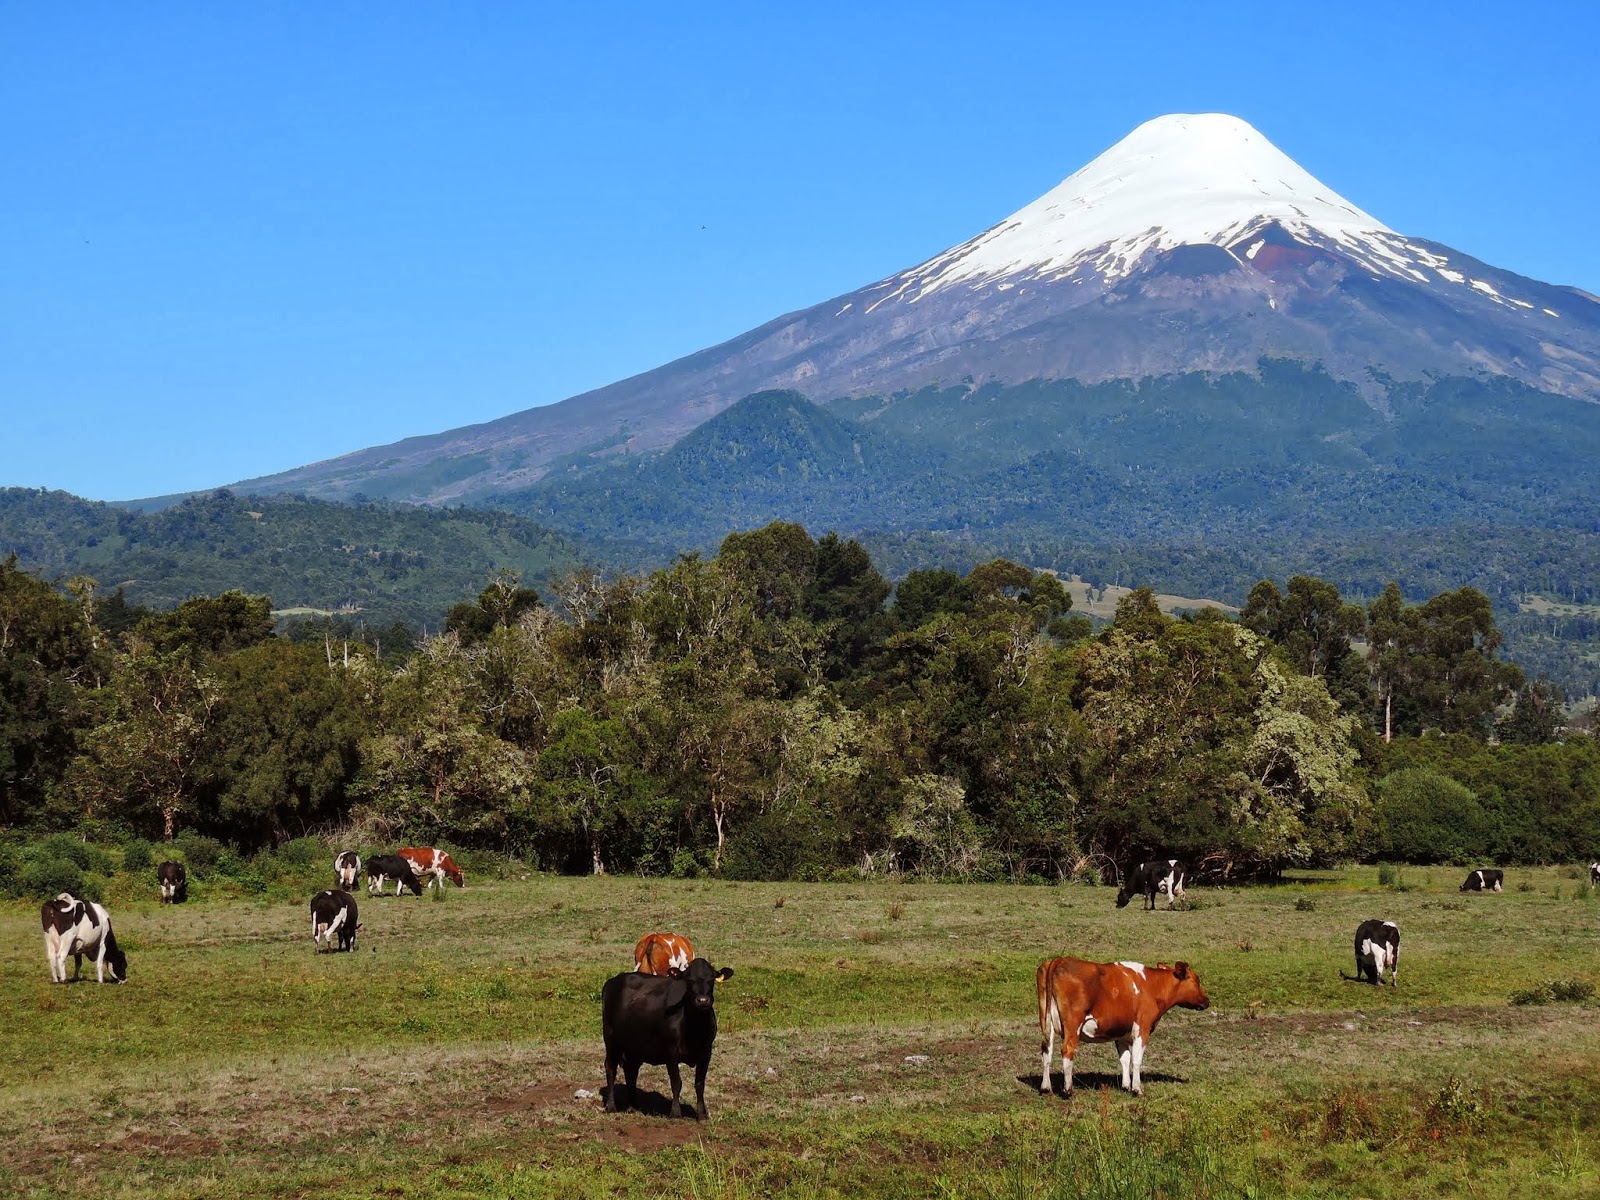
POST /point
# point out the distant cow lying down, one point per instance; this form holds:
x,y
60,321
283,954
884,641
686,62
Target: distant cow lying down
x,y
1117,1002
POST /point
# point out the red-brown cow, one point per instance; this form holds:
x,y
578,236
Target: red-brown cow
x,y
661,953
435,864
1117,1002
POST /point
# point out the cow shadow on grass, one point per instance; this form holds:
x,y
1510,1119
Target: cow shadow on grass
x,y
1093,1081
650,1104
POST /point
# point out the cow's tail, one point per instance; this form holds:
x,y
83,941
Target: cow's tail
x,y
1049,1011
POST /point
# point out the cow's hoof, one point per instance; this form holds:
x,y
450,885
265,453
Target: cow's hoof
x,y
677,1109
700,1113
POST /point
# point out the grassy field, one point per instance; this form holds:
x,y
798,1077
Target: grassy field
x,y
877,1039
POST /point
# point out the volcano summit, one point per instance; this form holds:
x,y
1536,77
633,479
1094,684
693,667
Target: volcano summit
x,y
1193,245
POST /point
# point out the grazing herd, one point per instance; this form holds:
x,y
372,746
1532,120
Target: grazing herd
x,y
663,1012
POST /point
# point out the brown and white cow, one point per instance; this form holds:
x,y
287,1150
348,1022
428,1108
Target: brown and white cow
x,y
435,864
1117,1002
661,953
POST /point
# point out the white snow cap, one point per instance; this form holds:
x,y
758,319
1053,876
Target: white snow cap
x,y
1183,179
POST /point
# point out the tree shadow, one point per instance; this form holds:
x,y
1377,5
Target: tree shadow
x,y
651,1104
1095,1080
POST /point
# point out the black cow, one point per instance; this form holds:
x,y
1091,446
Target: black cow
x,y
1485,881
333,916
79,927
664,1020
385,867
1147,879
1377,949
174,883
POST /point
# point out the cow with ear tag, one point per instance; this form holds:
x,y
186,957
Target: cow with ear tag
x,y
664,1020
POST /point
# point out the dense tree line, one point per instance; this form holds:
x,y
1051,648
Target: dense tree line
x,y
778,710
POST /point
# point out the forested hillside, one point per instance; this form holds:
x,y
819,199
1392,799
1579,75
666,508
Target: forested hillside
x,y
379,563
771,712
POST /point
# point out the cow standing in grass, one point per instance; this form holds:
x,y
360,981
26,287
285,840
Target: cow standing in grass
x,y
333,917
1377,950
662,953
384,867
1594,874
1487,880
79,928
665,1020
1152,878
174,881
347,869
435,864
1117,1002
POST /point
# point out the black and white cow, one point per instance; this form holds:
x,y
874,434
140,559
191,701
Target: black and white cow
x,y
1487,880
347,869
79,928
1148,879
333,917
384,867
661,1019
1377,950
174,882
1594,874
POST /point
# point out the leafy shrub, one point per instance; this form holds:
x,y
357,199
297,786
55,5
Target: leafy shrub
x,y
1388,874
64,846
45,877
1456,1106
303,852
229,864
200,853
1305,904
1424,816
137,856
10,871
1571,991
1538,993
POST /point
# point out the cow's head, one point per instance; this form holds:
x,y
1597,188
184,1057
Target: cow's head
x,y
117,964
699,980
452,872
1124,894
1186,989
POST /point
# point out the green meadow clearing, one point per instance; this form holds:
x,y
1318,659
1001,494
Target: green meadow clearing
x,y
877,1039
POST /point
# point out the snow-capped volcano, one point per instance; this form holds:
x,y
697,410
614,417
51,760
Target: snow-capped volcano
x,y
1205,179
1193,244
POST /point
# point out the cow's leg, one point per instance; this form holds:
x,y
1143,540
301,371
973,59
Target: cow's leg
x,y
700,1069
630,1072
611,1082
1069,1051
677,1088
1138,1062
58,961
1047,1046
1125,1057
77,966
100,963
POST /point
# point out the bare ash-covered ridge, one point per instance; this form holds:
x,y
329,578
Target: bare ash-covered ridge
x,y
1194,244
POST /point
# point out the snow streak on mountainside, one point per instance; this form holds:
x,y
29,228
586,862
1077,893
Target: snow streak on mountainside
x,y
1192,245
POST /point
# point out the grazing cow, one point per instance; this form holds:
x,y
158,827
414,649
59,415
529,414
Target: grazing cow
x,y
1148,879
664,1020
661,953
80,927
174,882
1484,881
347,869
1594,873
1377,949
333,916
435,864
384,867
1117,1002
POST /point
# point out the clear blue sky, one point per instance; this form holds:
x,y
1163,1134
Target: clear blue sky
x,y
239,238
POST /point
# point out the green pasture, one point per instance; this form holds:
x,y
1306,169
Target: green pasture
x,y
877,1039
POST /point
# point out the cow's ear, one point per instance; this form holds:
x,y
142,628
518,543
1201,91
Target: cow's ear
x,y
677,993
725,973
1180,970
